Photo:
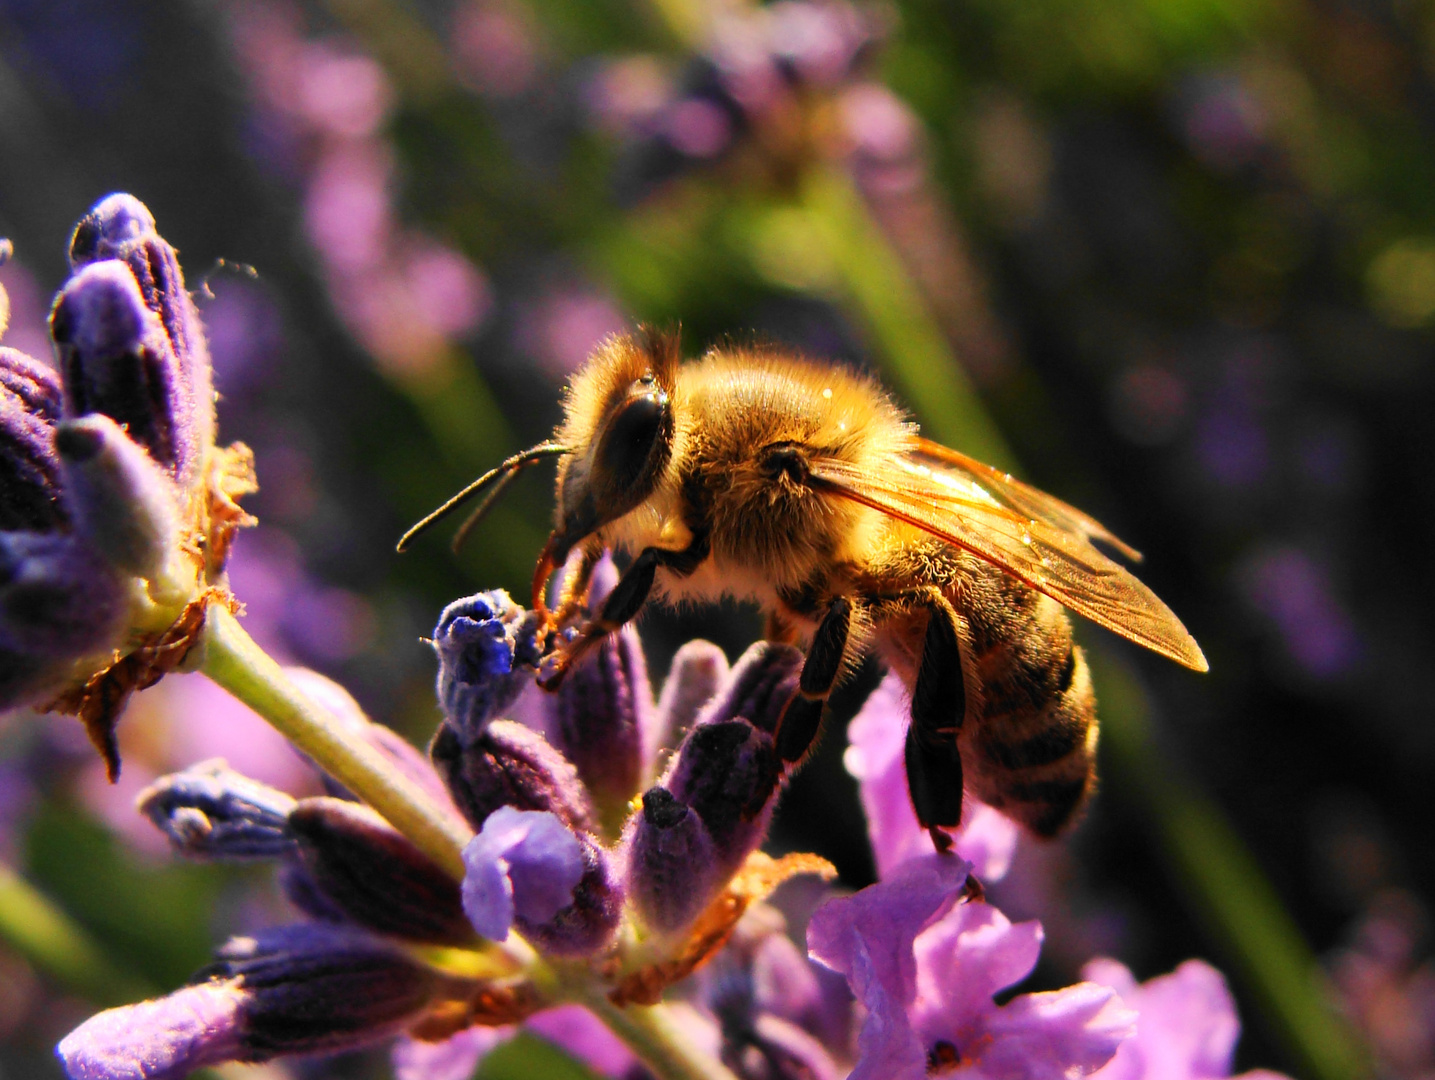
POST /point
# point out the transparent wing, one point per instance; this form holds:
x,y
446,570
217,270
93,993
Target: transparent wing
x,y
1025,532
1023,498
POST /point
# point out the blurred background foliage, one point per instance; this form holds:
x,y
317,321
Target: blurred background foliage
x,y
1172,259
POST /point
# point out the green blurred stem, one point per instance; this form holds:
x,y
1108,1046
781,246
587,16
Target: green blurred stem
x,y
1227,890
58,946
915,352
235,662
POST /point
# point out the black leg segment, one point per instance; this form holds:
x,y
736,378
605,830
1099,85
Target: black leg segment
x,y
934,764
800,723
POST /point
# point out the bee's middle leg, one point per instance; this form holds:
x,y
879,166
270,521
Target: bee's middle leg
x,y
797,730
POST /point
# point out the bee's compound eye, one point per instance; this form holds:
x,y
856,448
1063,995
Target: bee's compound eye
x,y
630,435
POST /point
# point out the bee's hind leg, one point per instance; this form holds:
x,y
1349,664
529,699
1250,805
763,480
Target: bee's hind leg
x,y
934,764
797,730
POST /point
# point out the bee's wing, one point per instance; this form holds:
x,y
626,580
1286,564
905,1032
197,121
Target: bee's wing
x,y
1023,498
1025,532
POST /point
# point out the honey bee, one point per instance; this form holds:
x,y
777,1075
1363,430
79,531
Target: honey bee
x,y
757,474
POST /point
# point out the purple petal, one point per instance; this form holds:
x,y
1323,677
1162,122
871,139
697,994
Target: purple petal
x,y
966,958
1188,1026
583,1036
454,1058
58,598
157,1040
869,935
875,758
1063,1033
524,863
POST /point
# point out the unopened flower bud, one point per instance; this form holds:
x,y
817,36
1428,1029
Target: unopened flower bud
x,y
671,862
528,869
29,467
374,875
118,361
311,988
727,770
488,652
58,599
121,227
599,716
510,765
120,500
209,811
694,678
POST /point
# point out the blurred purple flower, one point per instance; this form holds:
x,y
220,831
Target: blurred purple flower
x,y
1187,1028
926,966
1291,590
874,756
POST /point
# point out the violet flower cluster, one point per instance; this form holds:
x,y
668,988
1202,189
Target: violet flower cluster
x,y
603,873
116,508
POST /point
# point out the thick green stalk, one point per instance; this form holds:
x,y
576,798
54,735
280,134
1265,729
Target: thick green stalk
x,y
58,946
914,351
1230,895
235,662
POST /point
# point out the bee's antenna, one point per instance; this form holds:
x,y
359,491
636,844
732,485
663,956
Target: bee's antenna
x,y
497,479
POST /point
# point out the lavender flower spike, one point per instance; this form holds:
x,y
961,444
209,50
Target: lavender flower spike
x,y
926,969
121,509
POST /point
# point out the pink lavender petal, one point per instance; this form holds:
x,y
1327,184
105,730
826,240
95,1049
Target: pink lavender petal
x,y
1188,1027
454,1058
584,1037
874,757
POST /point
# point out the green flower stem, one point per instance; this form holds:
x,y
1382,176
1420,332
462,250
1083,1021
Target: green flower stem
x,y
58,946
235,662
1229,893
914,350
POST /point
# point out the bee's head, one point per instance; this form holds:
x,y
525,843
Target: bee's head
x,y
619,429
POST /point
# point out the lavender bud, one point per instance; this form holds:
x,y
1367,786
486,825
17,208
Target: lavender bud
x,y
528,869
488,652
672,863
510,765
696,674
209,811
117,360
601,712
29,468
727,770
121,227
58,598
120,500
374,875
165,1039
319,988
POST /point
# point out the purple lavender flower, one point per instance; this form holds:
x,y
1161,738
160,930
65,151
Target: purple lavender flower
x,y
874,757
488,653
1187,1028
926,967
119,509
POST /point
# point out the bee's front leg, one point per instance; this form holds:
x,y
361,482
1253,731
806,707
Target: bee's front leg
x,y
624,602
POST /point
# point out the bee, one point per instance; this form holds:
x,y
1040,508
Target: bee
x,y
754,473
